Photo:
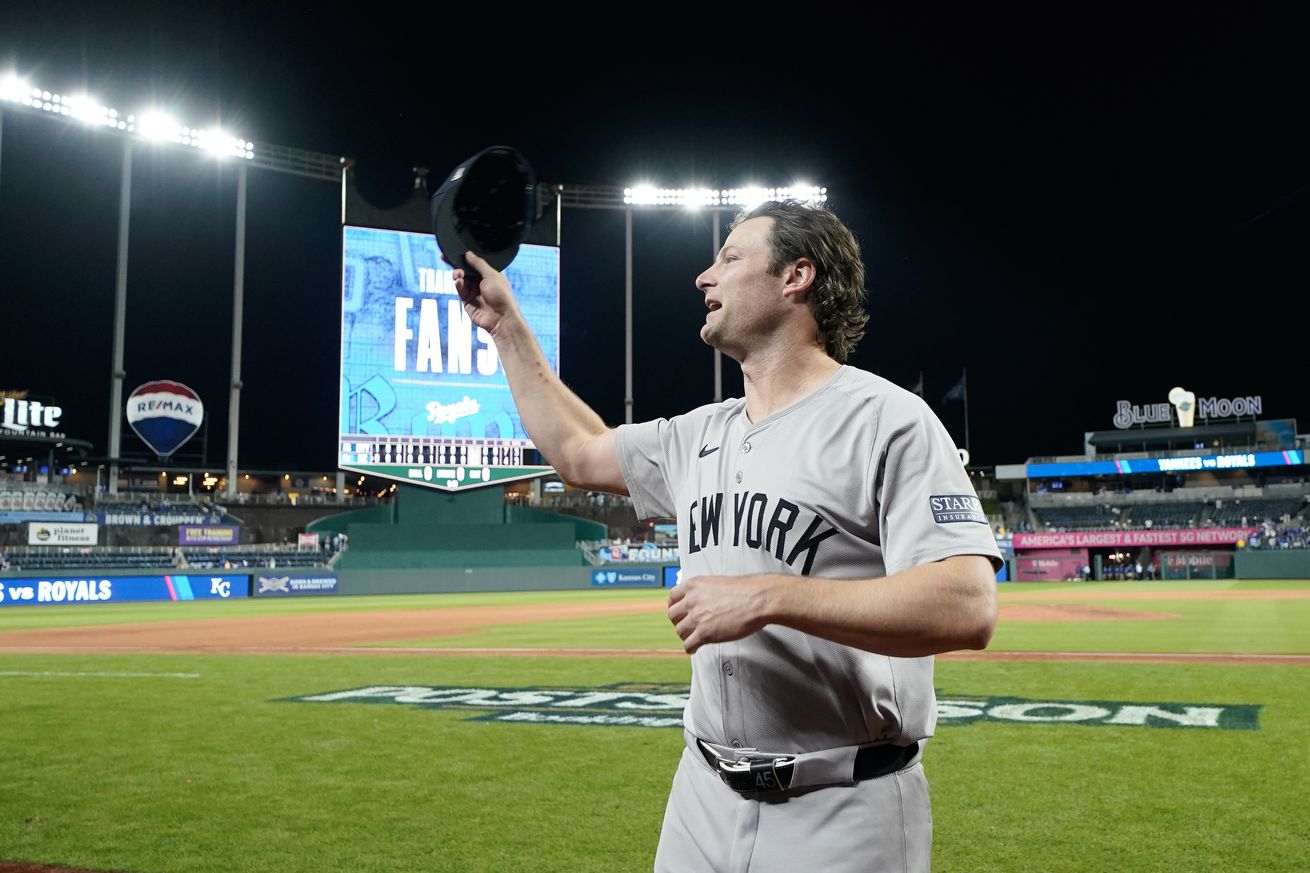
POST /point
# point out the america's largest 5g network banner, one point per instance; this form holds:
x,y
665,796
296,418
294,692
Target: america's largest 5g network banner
x,y
424,398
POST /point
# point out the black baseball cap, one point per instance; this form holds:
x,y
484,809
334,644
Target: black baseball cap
x,y
485,206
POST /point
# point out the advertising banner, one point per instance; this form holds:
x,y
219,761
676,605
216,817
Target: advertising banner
x,y
269,585
644,578
165,414
150,518
1206,536
208,535
646,553
48,590
62,534
1195,565
1053,568
307,541
1183,560
1245,460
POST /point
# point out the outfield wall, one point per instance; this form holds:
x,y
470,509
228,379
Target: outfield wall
x,y
1270,564
18,588
446,580
424,530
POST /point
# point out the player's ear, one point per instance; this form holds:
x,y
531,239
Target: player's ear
x,y
799,278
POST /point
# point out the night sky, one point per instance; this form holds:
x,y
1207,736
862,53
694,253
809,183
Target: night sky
x,y
1077,211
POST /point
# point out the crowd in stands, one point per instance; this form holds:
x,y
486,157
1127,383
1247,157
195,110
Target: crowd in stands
x,y
1175,515
1290,535
178,558
210,558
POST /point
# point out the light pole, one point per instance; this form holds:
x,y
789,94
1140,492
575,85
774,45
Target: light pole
x,y
716,200
161,128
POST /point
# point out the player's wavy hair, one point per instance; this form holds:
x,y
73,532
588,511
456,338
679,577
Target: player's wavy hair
x,y
802,230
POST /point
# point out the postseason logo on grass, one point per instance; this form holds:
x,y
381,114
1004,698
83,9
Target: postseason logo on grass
x,y
656,705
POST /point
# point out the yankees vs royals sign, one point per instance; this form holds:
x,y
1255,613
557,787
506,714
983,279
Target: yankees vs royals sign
x,y
424,398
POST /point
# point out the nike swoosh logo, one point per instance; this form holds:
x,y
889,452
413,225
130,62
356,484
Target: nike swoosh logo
x,y
706,450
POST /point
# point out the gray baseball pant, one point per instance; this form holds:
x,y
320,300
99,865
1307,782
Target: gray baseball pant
x,y
881,825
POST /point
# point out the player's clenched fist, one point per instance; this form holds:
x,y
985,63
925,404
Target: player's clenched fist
x,y
719,609
486,294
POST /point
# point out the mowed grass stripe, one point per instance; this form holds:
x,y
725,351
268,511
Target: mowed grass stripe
x,y
225,774
1198,626
1215,627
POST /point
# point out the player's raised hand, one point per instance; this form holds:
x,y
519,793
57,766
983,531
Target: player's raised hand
x,y
719,609
486,294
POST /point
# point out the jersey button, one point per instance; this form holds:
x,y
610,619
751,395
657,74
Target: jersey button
x,y
746,448
727,668
739,477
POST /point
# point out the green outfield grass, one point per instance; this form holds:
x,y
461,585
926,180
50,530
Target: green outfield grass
x,y
1205,626
208,766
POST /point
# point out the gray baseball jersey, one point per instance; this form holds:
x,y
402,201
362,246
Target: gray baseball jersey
x,y
857,480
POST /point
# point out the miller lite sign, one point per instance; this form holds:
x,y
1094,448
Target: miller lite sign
x,y
30,417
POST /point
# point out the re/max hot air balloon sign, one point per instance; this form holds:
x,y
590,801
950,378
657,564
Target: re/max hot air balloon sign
x,y
165,415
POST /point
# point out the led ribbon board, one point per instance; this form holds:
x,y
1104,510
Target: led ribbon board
x,y
1240,461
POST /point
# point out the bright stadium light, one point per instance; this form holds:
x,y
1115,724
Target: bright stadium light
x,y
692,198
640,195
152,125
91,111
221,144
716,201
156,125
14,89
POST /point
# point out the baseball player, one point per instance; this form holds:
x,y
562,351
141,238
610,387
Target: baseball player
x,y
831,544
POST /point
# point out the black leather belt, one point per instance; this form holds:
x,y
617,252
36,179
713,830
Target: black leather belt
x,y
748,775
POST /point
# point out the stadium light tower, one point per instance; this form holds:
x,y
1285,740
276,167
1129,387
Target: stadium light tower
x,y
157,127
717,200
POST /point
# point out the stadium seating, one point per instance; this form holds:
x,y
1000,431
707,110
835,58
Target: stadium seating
x,y
1166,515
1097,517
1231,513
44,558
210,558
1136,510
55,558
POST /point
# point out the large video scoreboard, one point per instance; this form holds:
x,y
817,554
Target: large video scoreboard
x,y
424,398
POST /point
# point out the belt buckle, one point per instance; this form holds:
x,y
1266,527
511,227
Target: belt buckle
x,y
759,774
